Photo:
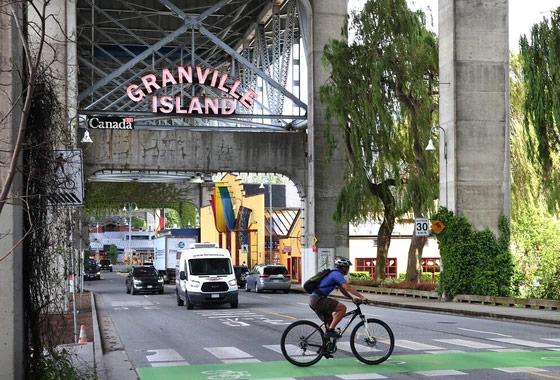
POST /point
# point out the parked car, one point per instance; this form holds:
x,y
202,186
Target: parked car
x,y
144,279
268,277
91,272
241,274
105,264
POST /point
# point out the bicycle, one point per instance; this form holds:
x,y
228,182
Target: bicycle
x,y
304,342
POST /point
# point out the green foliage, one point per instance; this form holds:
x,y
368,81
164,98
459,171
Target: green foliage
x,y
57,365
108,198
113,253
541,68
474,262
381,92
359,275
535,229
138,223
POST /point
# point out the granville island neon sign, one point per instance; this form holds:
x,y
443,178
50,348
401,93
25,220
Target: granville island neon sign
x,y
205,105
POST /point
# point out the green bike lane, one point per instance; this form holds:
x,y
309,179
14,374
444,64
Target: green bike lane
x,y
349,366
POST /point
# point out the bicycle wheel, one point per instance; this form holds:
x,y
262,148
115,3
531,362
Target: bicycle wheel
x,y
375,347
302,343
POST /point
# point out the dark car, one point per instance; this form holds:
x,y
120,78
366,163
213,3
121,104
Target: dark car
x,y
105,264
144,279
268,277
241,274
91,272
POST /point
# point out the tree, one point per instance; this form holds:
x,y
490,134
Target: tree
x,y
382,92
138,223
534,228
540,62
113,253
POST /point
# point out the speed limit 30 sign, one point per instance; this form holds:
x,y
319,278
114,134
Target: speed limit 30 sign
x,y
422,227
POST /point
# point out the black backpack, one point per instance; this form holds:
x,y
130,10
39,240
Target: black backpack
x,y
313,283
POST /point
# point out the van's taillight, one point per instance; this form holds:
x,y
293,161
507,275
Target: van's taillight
x,y
264,275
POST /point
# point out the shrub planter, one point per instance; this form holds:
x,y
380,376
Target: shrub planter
x,y
509,301
398,292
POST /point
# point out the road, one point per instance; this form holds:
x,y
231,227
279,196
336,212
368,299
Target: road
x,y
164,341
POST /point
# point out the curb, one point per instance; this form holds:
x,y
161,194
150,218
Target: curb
x,y
97,349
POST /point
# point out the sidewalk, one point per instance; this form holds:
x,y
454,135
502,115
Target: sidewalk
x,y
514,314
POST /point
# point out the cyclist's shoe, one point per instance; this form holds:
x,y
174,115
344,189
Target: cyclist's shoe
x,y
334,334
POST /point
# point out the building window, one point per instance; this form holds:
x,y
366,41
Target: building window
x,y
368,265
431,265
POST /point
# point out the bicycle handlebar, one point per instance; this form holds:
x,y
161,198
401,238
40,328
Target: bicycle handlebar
x,y
358,301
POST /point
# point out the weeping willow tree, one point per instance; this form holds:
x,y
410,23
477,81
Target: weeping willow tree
x,y
540,62
382,93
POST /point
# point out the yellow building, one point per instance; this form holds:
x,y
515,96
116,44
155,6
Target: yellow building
x,y
251,245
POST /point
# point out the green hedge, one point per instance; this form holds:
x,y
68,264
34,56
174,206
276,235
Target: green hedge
x,y
359,275
474,262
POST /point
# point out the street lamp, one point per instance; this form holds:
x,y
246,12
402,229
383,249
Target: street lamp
x,y
432,147
129,206
270,219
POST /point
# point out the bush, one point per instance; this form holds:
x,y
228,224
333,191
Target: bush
x,y
474,262
361,275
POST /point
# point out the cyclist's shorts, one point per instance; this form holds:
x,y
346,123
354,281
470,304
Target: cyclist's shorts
x,y
323,307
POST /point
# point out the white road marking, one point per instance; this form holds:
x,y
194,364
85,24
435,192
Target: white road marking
x,y
509,350
301,303
484,332
360,347
446,352
276,347
278,378
151,307
521,369
467,343
131,303
521,342
265,296
227,352
247,360
442,372
415,345
361,376
168,364
165,355
243,316
552,339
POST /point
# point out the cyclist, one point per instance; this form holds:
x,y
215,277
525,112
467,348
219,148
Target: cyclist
x,y
324,306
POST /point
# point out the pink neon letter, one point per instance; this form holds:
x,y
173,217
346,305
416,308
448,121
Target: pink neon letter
x,y
228,102
247,98
166,104
184,74
149,81
202,77
134,93
167,77
195,103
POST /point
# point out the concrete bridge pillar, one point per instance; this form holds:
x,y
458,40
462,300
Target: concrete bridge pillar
x,y
11,296
474,109
324,21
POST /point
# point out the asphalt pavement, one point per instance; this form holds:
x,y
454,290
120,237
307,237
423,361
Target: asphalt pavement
x,y
115,363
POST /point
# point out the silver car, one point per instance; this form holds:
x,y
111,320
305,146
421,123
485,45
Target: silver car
x,y
268,277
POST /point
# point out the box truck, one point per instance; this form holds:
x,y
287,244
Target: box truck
x,y
165,254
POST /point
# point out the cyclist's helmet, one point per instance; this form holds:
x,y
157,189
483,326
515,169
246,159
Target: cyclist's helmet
x,y
342,262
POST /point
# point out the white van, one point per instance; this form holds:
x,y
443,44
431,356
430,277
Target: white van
x,y
205,276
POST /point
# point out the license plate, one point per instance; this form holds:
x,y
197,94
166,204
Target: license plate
x,y
149,286
215,296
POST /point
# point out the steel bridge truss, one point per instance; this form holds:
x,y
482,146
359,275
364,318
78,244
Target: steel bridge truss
x,y
256,42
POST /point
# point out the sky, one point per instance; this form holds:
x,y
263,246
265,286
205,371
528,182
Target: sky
x,y
522,14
